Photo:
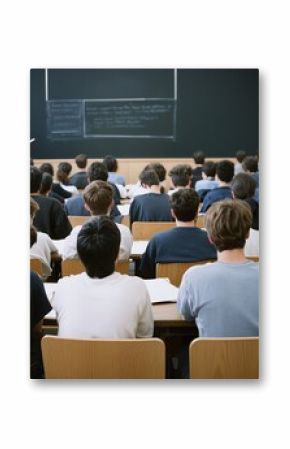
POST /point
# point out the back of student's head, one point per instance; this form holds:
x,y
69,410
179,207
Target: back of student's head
x,y
225,170
63,172
35,179
250,164
81,161
199,157
209,169
98,244
228,224
46,167
98,196
97,172
149,178
159,169
240,155
243,186
184,204
46,183
180,176
110,163
34,207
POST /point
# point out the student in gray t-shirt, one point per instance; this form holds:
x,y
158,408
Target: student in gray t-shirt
x,y
223,297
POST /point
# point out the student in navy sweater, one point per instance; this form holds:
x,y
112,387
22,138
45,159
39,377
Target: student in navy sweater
x,y
224,176
80,179
185,243
152,206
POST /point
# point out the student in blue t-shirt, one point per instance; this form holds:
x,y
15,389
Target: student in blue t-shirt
x,y
224,176
185,243
223,297
151,206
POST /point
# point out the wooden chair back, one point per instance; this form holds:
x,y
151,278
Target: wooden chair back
x,y
175,271
68,358
200,223
253,258
144,230
36,266
75,266
77,220
126,220
224,358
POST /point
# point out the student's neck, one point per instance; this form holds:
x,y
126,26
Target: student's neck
x,y
232,256
154,189
185,224
224,184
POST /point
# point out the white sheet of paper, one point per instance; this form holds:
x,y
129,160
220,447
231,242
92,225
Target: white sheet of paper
x,y
59,245
139,247
124,209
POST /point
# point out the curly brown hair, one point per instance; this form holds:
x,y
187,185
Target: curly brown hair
x,y
228,224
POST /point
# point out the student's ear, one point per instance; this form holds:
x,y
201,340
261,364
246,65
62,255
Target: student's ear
x,y
173,214
87,208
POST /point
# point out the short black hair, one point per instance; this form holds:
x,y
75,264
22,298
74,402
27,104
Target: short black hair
x,y
250,163
225,170
149,178
209,168
240,155
46,183
33,235
97,172
110,163
184,204
35,179
81,160
46,167
199,157
158,168
179,175
98,245
243,186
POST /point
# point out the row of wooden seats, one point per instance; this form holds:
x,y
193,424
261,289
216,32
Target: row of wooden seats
x,y
209,358
172,271
141,230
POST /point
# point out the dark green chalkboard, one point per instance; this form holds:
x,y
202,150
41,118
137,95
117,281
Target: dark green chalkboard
x,y
214,110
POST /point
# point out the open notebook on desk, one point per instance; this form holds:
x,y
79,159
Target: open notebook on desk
x,y
160,290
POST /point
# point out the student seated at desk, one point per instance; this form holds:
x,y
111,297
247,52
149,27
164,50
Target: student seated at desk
x,y
101,303
223,297
76,206
39,307
98,198
62,175
152,206
43,249
224,176
50,218
80,178
185,243
48,186
208,182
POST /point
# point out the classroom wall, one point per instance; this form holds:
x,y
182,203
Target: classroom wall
x,y
217,111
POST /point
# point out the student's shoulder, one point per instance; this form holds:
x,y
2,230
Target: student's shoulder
x,y
200,271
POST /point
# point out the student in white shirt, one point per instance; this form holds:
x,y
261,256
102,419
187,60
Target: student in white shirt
x,y
43,249
98,198
180,177
101,303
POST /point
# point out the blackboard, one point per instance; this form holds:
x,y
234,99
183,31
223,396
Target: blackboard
x,y
213,110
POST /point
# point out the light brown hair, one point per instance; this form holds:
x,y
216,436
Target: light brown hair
x,y
228,224
98,196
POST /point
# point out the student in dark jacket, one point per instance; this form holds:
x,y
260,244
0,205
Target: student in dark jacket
x,y
80,179
50,218
152,206
56,191
185,243
224,176
198,158
76,205
243,187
